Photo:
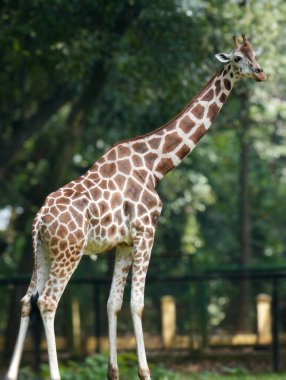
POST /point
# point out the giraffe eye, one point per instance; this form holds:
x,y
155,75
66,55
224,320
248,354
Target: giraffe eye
x,y
237,59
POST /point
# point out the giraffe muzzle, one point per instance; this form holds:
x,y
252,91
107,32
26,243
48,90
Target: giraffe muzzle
x,y
259,75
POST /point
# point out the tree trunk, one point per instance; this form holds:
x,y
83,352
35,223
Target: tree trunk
x,y
244,322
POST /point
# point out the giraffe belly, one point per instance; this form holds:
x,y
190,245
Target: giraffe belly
x,y
98,246
101,244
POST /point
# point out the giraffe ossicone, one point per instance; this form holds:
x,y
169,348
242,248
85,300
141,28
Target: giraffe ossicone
x,y
115,205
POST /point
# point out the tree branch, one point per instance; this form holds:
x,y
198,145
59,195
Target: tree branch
x,y
24,129
27,128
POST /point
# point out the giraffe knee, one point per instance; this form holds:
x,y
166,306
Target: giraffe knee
x,y
26,306
114,306
137,307
47,304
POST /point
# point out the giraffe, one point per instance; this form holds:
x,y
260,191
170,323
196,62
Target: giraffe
x,y
115,205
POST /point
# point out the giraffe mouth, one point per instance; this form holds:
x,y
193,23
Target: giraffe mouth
x,y
259,77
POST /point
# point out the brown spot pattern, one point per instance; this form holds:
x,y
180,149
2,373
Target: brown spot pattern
x,y
154,143
108,170
183,152
124,166
198,134
137,160
133,190
213,110
123,151
209,95
217,87
165,165
187,124
116,200
140,147
227,84
198,111
223,97
120,180
111,156
149,159
171,142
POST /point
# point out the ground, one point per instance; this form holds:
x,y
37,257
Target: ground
x,y
227,364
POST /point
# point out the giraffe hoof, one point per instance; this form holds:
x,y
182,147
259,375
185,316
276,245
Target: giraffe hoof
x,y
112,373
144,374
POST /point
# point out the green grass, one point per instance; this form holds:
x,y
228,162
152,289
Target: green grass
x,y
212,376
95,368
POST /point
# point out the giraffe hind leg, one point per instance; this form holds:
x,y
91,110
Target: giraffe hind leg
x,y
48,303
49,298
29,303
15,362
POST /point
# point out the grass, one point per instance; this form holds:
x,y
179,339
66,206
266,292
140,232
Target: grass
x,y
95,368
214,376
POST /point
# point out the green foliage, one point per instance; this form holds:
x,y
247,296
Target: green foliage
x,y
77,77
151,58
95,368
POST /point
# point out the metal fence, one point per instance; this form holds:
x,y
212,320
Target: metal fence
x,y
98,288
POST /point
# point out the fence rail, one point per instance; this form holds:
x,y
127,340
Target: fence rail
x,y
274,276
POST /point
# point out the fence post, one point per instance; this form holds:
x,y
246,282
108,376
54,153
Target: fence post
x,y
168,316
76,327
97,316
263,308
275,325
203,313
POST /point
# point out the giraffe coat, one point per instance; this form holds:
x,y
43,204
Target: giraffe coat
x,y
115,204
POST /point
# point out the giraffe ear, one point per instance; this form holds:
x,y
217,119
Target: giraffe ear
x,y
223,57
257,51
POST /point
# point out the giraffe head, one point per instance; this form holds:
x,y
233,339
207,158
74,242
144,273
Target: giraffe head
x,y
243,60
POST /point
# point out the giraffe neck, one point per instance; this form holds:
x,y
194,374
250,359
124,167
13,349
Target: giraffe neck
x,y
170,144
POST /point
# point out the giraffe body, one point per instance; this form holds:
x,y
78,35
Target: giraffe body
x,y
115,205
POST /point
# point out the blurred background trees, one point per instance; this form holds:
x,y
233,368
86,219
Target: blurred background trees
x,y
77,77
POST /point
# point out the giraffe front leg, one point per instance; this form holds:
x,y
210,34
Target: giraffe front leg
x,y
114,304
141,257
38,280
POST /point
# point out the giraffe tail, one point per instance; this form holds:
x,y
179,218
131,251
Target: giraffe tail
x,y
40,264
33,302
